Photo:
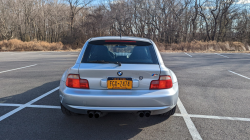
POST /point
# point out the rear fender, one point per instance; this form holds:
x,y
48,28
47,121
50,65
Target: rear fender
x,y
166,71
71,70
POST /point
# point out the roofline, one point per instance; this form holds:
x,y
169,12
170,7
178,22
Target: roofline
x,y
120,38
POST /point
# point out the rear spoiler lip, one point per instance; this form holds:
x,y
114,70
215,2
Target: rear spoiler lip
x,y
112,41
120,38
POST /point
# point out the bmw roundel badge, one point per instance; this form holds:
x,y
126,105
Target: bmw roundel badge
x,y
141,77
119,73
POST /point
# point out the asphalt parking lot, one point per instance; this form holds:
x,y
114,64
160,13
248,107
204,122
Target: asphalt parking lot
x,y
214,100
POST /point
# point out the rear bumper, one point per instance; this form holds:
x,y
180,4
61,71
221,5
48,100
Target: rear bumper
x,y
83,100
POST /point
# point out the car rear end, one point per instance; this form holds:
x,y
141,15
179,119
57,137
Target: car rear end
x,y
119,74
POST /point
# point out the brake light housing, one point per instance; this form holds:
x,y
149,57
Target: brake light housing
x,y
164,82
74,81
121,41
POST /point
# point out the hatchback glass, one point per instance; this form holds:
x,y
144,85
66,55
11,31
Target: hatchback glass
x,y
130,52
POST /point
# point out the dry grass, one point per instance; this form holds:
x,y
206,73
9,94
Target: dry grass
x,y
17,45
160,46
211,46
194,46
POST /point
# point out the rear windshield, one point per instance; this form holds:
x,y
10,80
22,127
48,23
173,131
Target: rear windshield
x,y
130,52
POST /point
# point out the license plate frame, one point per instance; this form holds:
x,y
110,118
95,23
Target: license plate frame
x,y
118,83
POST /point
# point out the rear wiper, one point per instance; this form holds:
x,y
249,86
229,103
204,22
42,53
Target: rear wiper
x,y
119,63
103,61
99,61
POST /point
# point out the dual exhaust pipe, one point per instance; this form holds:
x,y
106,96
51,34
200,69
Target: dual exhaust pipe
x,y
143,113
95,114
98,114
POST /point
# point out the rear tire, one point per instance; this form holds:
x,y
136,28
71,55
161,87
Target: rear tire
x,y
65,111
169,113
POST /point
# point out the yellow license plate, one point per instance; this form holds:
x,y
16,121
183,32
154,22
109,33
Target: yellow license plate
x,y
120,83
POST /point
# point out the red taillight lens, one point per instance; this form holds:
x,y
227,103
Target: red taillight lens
x,y
84,83
164,82
74,81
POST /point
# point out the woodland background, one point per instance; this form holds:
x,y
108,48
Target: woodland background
x,y
177,25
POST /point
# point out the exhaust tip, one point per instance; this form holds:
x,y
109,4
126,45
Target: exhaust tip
x,y
91,114
97,114
147,114
141,114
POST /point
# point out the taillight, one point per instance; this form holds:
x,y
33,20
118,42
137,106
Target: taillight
x,y
164,82
74,81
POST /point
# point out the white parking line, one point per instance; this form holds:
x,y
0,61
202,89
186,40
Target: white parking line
x,y
221,55
7,104
220,117
190,125
18,53
22,53
176,114
27,104
45,53
188,54
18,68
44,106
31,106
72,54
239,74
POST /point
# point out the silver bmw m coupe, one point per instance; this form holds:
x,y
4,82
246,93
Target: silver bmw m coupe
x,y
119,74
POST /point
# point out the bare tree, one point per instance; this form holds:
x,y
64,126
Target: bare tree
x,y
75,7
165,21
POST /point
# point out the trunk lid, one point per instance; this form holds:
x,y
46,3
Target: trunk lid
x,y
97,74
